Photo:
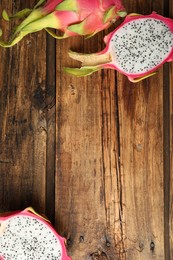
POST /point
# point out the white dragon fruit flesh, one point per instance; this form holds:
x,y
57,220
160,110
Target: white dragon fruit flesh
x,y
70,17
25,235
137,48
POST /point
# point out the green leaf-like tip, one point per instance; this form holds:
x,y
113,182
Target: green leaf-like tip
x,y
109,14
11,43
82,72
5,16
39,4
0,32
21,14
78,28
67,5
4,44
122,13
54,35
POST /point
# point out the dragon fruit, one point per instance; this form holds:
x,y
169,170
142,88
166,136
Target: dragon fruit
x,y
70,17
139,46
27,235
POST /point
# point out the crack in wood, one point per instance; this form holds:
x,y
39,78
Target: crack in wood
x,y
4,161
50,100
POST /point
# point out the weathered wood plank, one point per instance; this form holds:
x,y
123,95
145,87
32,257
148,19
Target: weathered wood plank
x,y
166,156
23,124
88,189
51,126
133,192
141,159
167,104
142,169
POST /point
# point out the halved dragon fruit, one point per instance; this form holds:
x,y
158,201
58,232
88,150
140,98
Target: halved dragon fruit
x,y
26,235
139,46
71,17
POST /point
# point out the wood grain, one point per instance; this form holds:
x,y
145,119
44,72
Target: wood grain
x,y
79,180
50,100
88,188
141,157
133,206
23,124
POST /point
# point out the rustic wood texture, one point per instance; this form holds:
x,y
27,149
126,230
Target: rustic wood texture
x,y
23,123
87,160
94,154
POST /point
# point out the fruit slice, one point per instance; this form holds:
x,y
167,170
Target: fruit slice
x,y
137,48
27,235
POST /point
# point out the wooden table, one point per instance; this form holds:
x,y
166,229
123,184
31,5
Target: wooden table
x,y
94,154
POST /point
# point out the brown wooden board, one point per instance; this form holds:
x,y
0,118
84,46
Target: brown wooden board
x,y
23,125
86,152
141,160
134,187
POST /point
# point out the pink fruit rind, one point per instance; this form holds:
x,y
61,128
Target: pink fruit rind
x,y
64,18
50,5
26,212
107,3
86,6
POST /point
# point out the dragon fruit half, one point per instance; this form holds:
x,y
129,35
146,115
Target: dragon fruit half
x,y
140,45
27,235
70,17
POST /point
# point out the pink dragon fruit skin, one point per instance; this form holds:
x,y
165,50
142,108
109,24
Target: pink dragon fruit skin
x,y
107,3
50,5
18,219
115,52
71,17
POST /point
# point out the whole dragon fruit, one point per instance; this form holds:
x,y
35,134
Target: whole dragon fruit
x,y
70,17
140,45
26,235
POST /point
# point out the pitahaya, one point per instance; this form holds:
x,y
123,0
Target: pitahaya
x,y
26,235
71,17
140,45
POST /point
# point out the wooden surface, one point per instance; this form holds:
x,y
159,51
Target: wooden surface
x,y
94,154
